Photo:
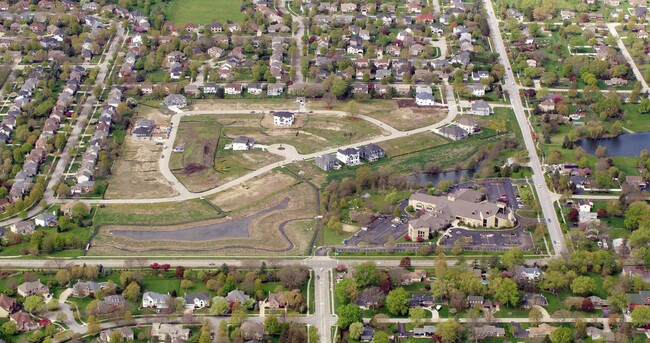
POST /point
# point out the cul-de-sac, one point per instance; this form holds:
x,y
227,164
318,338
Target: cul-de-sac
x,y
320,171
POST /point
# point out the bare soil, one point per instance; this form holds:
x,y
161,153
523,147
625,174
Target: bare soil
x,y
252,191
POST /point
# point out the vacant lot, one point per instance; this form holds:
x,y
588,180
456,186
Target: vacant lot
x,y
387,111
136,174
252,191
268,104
169,213
412,143
287,230
203,11
204,164
311,133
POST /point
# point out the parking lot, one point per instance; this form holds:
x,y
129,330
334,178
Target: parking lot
x,y
378,232
502,239
502,189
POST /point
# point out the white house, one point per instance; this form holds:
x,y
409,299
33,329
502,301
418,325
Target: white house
x,y
155,300
533,273
283,118
242,143
45,219
233,89
197,301
477,90
349,156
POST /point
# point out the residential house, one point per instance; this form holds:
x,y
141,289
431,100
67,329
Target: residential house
x,y
210,88
274,89
237,296
32,288
24,321
547,105
348,156
416,276
22,227
529,274
477,89
233,88
274,301
197,301
143,128
480,108
175,100
468,124
421,299
155,300
640,271
543,330
636,181
169,332
424,331
327,162
598,335
84,289
371,152
242,143
424,99
453,132
283,118
192,90
529,300
125,332
639,299
8,305
486,331
254,88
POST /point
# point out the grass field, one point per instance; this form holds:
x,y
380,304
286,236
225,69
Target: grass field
x,y
156,214
203,11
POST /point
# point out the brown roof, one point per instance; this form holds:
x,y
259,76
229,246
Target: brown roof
x,y
7,303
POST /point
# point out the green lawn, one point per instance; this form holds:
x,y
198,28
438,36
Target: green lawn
x,y
203,11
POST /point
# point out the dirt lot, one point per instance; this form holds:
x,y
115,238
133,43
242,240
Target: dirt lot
x,y
135,175
388,112
286,231
246,104
252,191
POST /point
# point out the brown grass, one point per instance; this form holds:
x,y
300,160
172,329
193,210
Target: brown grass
x,y
252,191
246,104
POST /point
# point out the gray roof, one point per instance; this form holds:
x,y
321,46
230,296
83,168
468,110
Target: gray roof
x,y
283,114
237,295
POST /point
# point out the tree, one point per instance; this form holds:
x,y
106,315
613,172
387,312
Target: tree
x,y
356,329
272,324
180,271
348,314
636,213
293,277
62,277
34,304
562,335
132,291
366,274
640,316
573,215
587,305
417,314
448,331
93,325
220,306
381,337
506,291
512,257
554,281
583,285
186,284
405,262
535,315
397,301
9,328
346,291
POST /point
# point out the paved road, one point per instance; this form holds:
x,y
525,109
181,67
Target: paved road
x,y
297,36
628,57
546,198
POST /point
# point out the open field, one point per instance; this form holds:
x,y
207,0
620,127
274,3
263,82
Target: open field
x,y
409,144
286,229
169,213
202,11
387,111
268,104
136,175
252,191
204,164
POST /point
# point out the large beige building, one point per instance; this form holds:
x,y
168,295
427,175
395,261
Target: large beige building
x,y
464,205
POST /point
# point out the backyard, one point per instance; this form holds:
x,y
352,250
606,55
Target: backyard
x,y
203,11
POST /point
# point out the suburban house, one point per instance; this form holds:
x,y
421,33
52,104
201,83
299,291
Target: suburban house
x,y
475,300
175,100
22,227
639,271
424,331
420,299
468,124
636,181
274,89
210,88
348,156
371,152
143,128
463,205
32,288
453,132
237,296
327,162
24,321
424,99
255,88
169,332
111,303
599,335
416,276
529,274
477,89
125,332
543,330
48,219
639,299
84,289
529,300
547,105
242,143
8,305
274,301
197,301
480,108
486,331
283,118
155,300
233,89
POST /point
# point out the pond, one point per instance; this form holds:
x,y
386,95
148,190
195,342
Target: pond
x,y
626,145
454,176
